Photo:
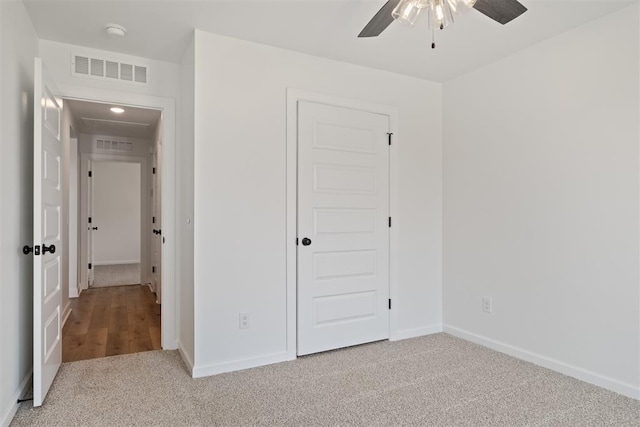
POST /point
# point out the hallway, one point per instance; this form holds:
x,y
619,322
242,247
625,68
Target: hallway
x,y
111,321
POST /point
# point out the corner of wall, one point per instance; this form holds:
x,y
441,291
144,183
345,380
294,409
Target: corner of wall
x,y
10,411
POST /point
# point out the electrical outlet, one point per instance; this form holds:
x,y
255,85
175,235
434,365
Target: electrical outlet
x,y
487,305
244,320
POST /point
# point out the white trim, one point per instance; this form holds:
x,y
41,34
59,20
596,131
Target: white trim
x,y
96,263
416,332
293,97
153,291
10,411
67,313
186,359
638,237
599,380
74,292
170,314
73,211
237,365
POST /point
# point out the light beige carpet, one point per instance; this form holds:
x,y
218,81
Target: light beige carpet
x,y
437,380
116,275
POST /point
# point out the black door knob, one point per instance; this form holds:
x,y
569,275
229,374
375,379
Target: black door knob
x,y
94,228
306,241
26,249
51,248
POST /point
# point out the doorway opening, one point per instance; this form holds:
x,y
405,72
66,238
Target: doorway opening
x,y
115,210
117,305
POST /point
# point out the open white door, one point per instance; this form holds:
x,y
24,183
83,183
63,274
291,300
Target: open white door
x,y
47,208
156,243
343,227
90,226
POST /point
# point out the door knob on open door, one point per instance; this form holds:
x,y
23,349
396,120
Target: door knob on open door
x,y
94,228
306,241
50,248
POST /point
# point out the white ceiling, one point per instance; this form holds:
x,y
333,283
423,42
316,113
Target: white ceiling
x,y
97,119
161,29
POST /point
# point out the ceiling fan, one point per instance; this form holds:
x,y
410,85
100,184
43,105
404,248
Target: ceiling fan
x,y
440,13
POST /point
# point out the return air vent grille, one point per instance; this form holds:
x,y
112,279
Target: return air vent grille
x,y
113,145
98,68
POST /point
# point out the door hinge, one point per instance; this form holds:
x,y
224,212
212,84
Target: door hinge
x,y
389,134
153,220
90,174
153,171
389,221
153,269
89,266
389,303
89,220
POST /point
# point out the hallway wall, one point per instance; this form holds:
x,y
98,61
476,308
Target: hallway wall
x,y
18,47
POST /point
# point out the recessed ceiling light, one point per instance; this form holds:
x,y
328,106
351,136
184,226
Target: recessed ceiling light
x,y
117,110
115,30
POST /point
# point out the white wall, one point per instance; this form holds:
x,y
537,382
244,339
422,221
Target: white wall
x,y
240,206
184,182
541,203
116,213
18,47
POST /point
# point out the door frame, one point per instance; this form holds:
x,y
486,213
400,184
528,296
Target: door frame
x,y
169,230
293,97
145,228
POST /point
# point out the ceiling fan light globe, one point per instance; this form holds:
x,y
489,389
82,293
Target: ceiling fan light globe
x,y
406,12
440,15
423,4
460,6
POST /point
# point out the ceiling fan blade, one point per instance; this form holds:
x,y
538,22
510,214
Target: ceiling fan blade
x,y
380,21
502,11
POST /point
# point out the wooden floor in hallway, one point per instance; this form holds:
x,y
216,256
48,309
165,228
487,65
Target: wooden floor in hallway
x,y
110,321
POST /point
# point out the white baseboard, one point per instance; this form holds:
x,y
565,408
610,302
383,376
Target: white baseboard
x,y
10,411
415,332
67,313
74,292
186,359
116,262
599,380
237,365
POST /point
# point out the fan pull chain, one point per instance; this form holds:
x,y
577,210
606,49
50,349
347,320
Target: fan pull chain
x,y
433,39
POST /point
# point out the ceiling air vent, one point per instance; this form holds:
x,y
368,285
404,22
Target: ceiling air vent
x,y
81,65
97,67
126,72
112,70
141,74
105,69
110,145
